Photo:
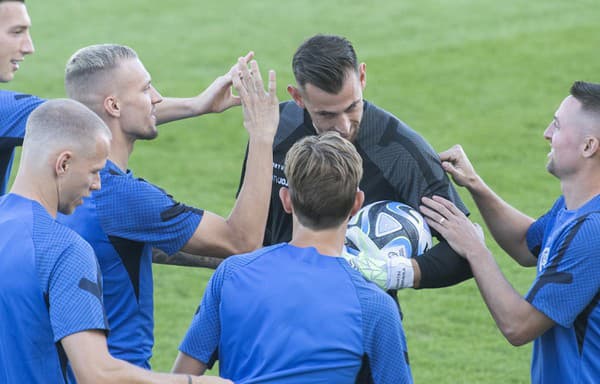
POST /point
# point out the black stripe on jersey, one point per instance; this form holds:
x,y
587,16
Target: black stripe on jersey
x,y
19,96
365,375
551,274
582,321
130,253
177,210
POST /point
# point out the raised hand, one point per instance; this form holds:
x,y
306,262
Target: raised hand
x,y
260,107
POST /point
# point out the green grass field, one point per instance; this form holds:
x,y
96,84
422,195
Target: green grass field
x,y
486,74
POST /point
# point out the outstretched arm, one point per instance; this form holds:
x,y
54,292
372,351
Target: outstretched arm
x,y
243,230
92,363
216,98
519,321
507,225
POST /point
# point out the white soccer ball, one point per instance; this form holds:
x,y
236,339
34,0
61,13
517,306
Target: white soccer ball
x,y
394,227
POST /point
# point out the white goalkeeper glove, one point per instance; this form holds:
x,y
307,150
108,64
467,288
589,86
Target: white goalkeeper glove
x,y
387,271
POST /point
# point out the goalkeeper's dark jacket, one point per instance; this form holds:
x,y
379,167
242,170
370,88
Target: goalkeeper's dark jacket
x,y
398,165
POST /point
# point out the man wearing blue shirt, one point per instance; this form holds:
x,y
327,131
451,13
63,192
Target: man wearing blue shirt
x,y
561,311
297,312
51,290
15,44
129,216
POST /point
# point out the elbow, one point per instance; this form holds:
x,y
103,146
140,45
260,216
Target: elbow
x,y
245,245
516,336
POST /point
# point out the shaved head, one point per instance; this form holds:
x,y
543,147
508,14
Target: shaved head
x,y
62,124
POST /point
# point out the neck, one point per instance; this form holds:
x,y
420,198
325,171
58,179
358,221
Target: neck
x,y
121,147
328,242
38,191
579,190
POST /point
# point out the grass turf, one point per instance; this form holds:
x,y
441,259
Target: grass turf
x,y
486,74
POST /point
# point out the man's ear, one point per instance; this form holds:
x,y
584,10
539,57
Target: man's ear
x,y
112,106
286,201
591,146
61,166
359,199
296,95
362,75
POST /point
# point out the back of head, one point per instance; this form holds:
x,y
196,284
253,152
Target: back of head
x,y
324,61
62,124
323,174
89,70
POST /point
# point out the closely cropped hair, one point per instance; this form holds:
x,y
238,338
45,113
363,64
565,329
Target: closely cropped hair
x,y
63,124
6,1
323,173
324,61
87,67
588,95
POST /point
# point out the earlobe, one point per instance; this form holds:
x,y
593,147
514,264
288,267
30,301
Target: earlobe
x,y
295,93
62,163
112,106
592,144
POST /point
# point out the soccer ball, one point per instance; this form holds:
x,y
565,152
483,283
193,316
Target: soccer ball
x,y
394,227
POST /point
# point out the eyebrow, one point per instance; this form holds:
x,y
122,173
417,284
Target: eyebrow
x,y
352,105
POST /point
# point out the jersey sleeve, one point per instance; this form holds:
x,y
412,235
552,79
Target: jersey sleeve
x,y
569,281
202,338
137,210
535,233
14,111
75,292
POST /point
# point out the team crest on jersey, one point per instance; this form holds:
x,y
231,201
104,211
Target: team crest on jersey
x,y
543,259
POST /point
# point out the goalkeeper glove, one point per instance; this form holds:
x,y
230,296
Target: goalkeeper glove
x,y
388,272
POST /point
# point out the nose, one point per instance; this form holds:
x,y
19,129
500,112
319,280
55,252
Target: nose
x,y
548,132
27,45
156,96
343,125
96,183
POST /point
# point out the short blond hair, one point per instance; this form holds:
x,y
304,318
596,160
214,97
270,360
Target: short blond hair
x,y
323,173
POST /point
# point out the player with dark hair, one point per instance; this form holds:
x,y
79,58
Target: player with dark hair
x,y
561,311
297,312
51,290
129,216
398,164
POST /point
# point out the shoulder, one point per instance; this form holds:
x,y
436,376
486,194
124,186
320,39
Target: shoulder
x,y
11,100
379,129
291,124
237,263
372,299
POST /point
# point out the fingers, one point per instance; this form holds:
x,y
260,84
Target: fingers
x,y
249,56
452,153
272,84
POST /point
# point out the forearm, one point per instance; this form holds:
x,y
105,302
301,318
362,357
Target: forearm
x,y
249,215
514,316
440,267
171,109
507,225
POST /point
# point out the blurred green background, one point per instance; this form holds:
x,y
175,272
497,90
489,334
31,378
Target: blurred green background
x,y
486,74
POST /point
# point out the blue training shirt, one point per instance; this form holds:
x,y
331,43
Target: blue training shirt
x,y
290,315
14,111
567,290
123,221
49,288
